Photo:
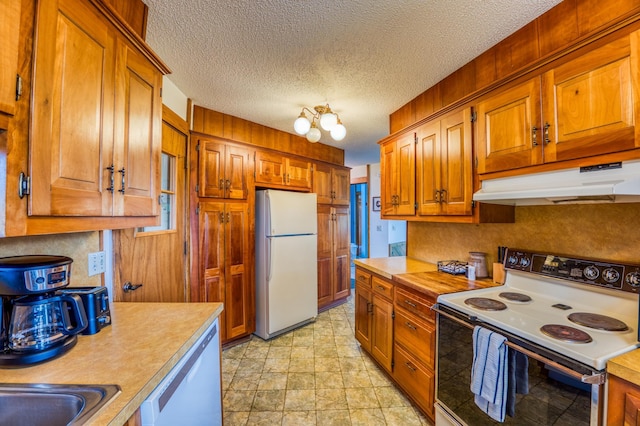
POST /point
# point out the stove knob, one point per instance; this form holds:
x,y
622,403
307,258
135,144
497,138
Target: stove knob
x,y
633,279
610,275
591,272
512,260
525,261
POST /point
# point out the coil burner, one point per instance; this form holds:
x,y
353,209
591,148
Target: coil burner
x,y
486,304
597,321
566,333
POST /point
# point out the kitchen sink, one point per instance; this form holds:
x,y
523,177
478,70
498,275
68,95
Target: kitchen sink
x,y
52,405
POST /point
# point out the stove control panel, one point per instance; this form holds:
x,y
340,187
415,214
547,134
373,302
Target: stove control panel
x,y
617,276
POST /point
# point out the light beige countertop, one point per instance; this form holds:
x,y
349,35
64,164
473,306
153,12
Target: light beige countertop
x,y
141,346
390,266
626,366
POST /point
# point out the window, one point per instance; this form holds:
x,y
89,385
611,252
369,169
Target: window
x,y
167,197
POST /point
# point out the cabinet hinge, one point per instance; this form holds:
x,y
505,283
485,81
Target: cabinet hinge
x,y
474,116
415,206
197,188
24,185
198,147
393,364
197,210
185,248
415,138
473,203
18,87
160,199
476,162
161,92
393,314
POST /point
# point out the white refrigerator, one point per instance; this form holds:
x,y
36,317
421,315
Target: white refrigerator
x,y
286,261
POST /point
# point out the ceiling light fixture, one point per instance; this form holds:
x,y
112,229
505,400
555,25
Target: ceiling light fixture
x,y
328,120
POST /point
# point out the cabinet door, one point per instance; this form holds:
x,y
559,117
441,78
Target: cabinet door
x,y
398,176
211,248
623,402
298,173
270,168
322,183
382,332
138,138
236,172
406,175
211,169
363,311
591,103
455,158
341,186
9,30
388,178
72,115
509,133
428,181
341,253
239,294
325,255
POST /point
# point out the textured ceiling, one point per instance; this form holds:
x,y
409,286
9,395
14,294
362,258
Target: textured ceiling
x,y
263,60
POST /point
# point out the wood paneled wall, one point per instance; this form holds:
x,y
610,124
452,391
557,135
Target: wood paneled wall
x,y
226,126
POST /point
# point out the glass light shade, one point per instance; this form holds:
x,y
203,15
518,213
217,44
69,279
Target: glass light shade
x,y
328,120
302,125
338,132
314,134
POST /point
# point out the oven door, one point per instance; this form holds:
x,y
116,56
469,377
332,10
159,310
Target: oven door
x,y
557,393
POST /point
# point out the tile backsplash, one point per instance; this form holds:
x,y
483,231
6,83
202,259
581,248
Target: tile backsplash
x,y
76,246
604,231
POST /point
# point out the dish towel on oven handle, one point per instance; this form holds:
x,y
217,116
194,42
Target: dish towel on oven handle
x,y
489,373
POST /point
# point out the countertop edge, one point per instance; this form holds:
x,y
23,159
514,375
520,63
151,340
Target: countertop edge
x,y
134,403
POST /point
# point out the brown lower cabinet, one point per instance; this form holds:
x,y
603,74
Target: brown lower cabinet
x,y
624,402
396,326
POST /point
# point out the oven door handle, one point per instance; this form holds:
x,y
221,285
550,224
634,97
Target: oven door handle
x,y
593,379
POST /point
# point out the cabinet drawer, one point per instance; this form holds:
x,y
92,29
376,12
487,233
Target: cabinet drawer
x,y
417,336
415,379
382,287
419,305
363,277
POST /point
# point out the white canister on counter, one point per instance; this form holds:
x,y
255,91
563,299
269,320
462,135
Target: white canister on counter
x,y
471,272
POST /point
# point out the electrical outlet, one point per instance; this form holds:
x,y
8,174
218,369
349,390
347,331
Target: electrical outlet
x,y
96,263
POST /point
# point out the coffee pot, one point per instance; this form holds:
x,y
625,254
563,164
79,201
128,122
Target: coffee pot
x,y
41,322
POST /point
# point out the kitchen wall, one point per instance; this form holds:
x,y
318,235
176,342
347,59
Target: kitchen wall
x,y
605,231
76,246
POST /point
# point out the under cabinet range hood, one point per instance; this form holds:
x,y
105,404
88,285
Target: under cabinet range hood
x,y
603,183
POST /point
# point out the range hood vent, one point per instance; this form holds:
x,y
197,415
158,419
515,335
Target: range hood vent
x,y
603,183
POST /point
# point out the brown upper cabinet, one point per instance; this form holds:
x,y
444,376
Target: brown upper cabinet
x,y
398,169
582,107
223,170
331,184
96,119
444,177
9,31
278,170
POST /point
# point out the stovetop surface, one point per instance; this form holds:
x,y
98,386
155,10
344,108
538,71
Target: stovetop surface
x,y
524,319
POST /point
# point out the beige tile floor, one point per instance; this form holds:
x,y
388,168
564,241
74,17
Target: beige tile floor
x,y
315,375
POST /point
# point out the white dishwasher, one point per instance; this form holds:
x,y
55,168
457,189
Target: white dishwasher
x,y
191,392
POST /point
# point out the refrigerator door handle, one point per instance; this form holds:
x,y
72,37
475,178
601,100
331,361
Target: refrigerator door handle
x,y
269,258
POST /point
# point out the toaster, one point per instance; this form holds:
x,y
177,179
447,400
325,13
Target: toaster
x,y
96,306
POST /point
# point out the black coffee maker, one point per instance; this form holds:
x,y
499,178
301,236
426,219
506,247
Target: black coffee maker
x,y
39,322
